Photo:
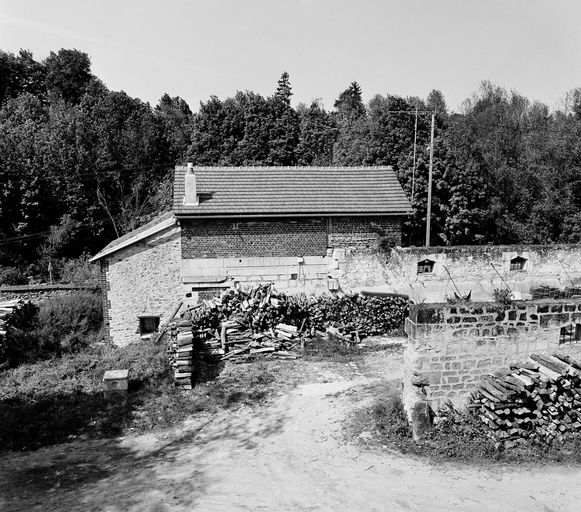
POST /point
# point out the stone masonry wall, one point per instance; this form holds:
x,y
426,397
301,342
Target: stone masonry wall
x,y
481,269
450,347
142,279
363,232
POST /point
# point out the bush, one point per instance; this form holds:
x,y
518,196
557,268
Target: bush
x,y
12,276
57,326
79,271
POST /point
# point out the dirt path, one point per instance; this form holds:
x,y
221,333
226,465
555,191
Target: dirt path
x,y
291,455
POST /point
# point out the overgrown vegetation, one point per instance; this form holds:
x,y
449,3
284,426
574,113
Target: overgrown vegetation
x,y
51,401
57,326
458,436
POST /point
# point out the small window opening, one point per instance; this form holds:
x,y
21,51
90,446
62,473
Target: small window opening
x,y
426,266
518,263
570,333
148,324
294,277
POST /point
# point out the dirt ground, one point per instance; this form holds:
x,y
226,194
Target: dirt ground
x,y
291,454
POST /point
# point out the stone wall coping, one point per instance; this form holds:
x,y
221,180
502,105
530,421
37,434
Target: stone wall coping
x,y
47,287
491,303
484,248
428,310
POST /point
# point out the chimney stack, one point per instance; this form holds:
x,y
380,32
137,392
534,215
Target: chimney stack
x,y
191,189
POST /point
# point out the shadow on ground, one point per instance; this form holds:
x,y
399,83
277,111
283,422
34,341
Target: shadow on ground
x,y
123,474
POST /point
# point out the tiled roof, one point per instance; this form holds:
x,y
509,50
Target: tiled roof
x,y
137,234
287,191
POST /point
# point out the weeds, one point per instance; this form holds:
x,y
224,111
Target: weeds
x,y
52,401
57,326
458,436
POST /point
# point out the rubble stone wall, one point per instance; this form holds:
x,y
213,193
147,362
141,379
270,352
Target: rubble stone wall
x,y
473,263
451,346
142,279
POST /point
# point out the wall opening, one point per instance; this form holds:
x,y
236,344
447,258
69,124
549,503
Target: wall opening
x,y
148,324
426,266
570,333
518,263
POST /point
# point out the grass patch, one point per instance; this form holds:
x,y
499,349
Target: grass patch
x,y
332,350
460,437
48,402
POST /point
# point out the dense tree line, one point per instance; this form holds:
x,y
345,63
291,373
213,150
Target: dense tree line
x,y
81,164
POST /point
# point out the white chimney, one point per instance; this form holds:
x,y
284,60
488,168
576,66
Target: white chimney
x,y
191,190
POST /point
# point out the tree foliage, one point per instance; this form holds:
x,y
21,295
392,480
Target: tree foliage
x,y
81,164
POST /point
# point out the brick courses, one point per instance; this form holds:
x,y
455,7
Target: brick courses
x,y
363,232
289,237
225,238
106,303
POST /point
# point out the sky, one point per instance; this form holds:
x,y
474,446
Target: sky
x,y
198,48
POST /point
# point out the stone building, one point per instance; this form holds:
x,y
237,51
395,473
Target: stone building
x,y
287,225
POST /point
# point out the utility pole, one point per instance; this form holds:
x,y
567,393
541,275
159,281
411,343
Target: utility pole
x,y
429,212
414,165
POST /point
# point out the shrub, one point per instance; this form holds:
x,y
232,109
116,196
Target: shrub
x,y
59,325
79,271
502,295
11,276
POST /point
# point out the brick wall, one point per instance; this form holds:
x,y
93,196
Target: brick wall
x,y
225,238
363,232
106,304
450,347
142,279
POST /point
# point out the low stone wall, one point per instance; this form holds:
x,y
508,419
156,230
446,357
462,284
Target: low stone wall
x,y
39,292
451,346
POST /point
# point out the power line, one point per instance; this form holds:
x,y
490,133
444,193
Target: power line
x,y
42,234
89,176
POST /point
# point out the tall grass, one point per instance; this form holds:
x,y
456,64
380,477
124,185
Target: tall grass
x,y
56,326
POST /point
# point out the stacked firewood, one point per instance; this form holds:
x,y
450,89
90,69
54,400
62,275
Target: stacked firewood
x,y
243,344
262,308
7,308
537,402
364,314
180,353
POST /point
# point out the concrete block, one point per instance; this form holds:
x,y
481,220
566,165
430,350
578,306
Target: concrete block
x,y
202,263
316,260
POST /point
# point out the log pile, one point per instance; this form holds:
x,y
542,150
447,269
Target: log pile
x,y
181,353
366,315
242,344
244,325
7,308
262,308
537,402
